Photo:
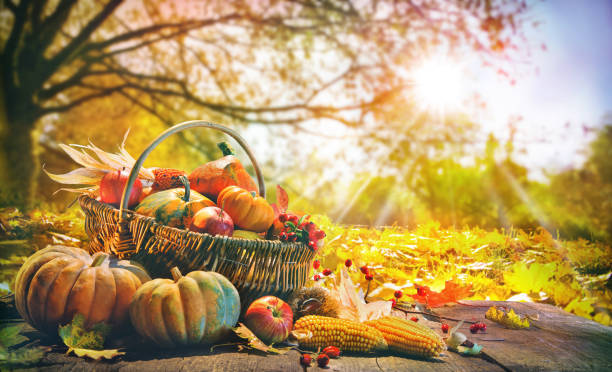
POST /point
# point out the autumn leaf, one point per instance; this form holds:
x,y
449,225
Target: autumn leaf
x,y
282,201
452,292
254,342
87,343
508,319
529,279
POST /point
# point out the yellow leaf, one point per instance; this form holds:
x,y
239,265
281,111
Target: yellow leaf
x,y
95,354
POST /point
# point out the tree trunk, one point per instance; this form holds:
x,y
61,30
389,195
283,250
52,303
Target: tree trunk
x,y
19,165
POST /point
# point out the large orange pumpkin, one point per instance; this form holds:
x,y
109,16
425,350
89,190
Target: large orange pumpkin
x,y
210,178
58,282
248,211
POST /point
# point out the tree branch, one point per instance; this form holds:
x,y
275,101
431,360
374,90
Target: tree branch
x,y
70,50
81,100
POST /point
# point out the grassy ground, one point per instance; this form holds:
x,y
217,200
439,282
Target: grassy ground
x,y
499,265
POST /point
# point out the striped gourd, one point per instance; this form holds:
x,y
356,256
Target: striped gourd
x,y
345,334
409,338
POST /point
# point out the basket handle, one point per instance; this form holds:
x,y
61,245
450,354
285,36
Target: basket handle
x,y
178,128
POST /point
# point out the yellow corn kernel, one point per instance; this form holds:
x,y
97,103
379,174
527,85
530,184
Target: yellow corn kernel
x,y
347,335
407,337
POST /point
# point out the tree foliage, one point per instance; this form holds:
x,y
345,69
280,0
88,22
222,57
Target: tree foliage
x,y
264,62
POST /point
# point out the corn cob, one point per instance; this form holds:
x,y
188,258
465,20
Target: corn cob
x,y
344,334
407,337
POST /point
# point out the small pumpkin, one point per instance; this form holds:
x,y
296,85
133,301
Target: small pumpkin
x,y
198,308
211,178
58,282
248,211
174,207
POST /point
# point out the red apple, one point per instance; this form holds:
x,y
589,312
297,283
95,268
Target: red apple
x,y
112,185
212,220
270,318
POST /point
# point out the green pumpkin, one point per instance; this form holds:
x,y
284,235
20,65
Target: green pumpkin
x,y
174,207
199,308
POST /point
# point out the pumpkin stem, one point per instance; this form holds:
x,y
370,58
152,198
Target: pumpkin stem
x,y
185,182
99,259
226,148
176,273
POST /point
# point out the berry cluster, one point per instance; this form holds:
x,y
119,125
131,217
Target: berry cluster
x,y
445,327
478,327
297,229
322,358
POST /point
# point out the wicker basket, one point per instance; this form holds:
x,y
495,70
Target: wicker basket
x,y
255,267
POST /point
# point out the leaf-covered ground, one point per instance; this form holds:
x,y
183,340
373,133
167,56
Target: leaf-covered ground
x,y
499,265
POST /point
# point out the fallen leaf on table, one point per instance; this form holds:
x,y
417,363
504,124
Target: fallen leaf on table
x,y
89,343
254,342
452,292
508,319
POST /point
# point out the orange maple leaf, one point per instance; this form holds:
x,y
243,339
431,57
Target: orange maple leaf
x,y
452,292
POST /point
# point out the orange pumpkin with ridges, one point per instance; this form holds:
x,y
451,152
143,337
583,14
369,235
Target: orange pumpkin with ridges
x,y
248,211
58,282
209,179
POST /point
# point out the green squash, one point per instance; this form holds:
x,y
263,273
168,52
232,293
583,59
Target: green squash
x,y
199,308
174,207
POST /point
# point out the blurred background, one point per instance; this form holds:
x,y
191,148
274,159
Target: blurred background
x,y
484,113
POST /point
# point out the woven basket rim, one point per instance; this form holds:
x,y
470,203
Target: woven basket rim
x,y
133,215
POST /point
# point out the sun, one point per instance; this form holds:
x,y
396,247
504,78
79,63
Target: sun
x,y
439,85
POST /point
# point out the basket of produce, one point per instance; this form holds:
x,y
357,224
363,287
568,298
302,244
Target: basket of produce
x,y
214,219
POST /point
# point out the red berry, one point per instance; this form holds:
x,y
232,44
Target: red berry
x,y
309,226
414,319
319,234
393,302
332,352
322,360
317,277
398,294
482,326
312,245
420,291
474,328
348,263
305,360
316,264
291,237
283,236
364,270
445,327
282,217
327,272
294,219
369,277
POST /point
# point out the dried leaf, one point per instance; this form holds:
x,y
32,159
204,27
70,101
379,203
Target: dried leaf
x,y
87,343
452,292
95,354
79,176
254,342
282,198
352,303
508,319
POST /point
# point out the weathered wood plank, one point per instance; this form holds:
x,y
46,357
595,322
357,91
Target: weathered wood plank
x,y
561,342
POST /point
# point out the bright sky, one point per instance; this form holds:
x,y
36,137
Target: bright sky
x,y
573,84
561,89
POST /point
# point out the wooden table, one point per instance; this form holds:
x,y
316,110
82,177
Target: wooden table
x,y
560,342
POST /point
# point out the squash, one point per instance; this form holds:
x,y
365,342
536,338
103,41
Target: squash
x,y
58,282
248,211
210,178
174,207
199,308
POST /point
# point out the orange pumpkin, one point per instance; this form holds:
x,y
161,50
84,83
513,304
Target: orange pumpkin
x,y
58,282
248,211
209,179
